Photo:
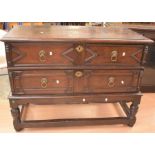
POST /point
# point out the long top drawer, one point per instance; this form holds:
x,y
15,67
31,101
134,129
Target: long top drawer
x,y
73,54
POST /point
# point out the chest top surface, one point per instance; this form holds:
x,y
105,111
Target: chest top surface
x,y
74,33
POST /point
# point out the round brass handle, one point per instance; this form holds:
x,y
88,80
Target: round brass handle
x,y
79,48
44,82
114,55
111,82
78,74
42,56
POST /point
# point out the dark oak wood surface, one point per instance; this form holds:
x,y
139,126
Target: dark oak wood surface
x,y
74,33
65,81
74,65
28,54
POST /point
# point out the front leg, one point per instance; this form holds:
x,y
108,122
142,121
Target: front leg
x,y
133,112
16,116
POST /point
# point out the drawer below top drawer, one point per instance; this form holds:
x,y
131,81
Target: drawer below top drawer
x,y
72,54
74,81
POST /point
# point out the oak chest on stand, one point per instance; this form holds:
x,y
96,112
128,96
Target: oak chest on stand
x,y
73,65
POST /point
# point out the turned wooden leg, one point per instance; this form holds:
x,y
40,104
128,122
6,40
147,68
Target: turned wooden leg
x,y
16,117
132,113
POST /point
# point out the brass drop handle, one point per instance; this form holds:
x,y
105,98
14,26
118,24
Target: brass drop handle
x,y
111,82
78,74
79,48
114,55
44,82
42,56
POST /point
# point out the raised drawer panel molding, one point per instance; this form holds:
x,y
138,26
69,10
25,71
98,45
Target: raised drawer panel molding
x,y
27,54
74,65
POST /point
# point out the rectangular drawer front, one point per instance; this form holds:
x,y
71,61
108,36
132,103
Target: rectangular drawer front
x,y
69,54
116,54
42,82
70,99
108,81
31,54
74,81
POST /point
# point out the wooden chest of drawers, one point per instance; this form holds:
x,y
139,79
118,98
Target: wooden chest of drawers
x,y
66,65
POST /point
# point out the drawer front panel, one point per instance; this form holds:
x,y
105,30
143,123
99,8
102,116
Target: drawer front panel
x,y
116,54
42,82
74,81
31,54
70,99
69,54
108,81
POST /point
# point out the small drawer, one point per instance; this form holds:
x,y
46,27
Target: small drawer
x,y
70,99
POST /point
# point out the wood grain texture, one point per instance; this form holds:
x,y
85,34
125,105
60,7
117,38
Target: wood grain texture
x,y
28,54
65,81
74,34
69,64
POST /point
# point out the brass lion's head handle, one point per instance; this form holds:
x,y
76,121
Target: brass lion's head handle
x,y
111,81
114,55
42,56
